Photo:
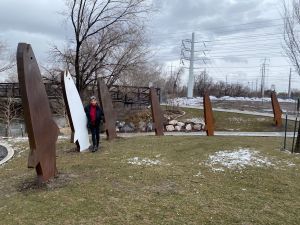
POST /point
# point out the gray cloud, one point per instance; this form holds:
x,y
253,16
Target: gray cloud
x,y
235,59
203,15
30,16
38,22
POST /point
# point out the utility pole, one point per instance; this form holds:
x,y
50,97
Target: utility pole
x,y
256,83
263,76
191,70
290,79
226,85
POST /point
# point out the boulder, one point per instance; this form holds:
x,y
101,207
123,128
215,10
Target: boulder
x,y
149,127
181,124
120,124
188,127
132,125
142,126
127,128
195,120
178,128
170,128
198,127
173,122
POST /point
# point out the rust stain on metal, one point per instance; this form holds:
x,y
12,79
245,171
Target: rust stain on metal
x,y
156,113
42,130
276,110
208,115
108,110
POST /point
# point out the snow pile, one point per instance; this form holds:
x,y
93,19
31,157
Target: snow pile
x,y
143,162
237,159
186,101
199,100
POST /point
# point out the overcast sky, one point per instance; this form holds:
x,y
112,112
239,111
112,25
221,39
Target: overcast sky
x,y
233,36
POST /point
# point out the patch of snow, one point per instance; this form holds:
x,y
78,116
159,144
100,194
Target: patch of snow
x,y
217,169
199,100
237,159
143,162
198,174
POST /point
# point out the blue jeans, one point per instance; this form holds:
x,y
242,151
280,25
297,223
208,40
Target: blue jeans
x,y
95,135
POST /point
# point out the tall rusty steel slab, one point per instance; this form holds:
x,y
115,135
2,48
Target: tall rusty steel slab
x,y
276,110
157,115
208,116
42,130
108,110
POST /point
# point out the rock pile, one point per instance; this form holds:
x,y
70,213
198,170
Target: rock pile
x,y
189,125
194,124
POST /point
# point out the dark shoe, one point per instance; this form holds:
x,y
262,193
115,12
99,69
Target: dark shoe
x,y
94,149
97,148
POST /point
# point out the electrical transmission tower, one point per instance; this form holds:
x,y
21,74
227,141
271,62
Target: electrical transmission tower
x,y
191,69
263,78
191,59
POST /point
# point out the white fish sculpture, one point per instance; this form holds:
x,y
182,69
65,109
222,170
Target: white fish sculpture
x,y
77,113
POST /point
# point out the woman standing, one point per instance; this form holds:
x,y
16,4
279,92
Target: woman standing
x,y
94,115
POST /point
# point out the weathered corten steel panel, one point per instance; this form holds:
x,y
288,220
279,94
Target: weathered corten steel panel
x,y
108,110
208,115
276,110
42,130
157,115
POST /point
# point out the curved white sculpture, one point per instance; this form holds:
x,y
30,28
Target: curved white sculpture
x,y
78,115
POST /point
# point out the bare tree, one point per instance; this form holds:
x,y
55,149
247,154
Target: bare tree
x,y
292,41
7,61
203,82
10,109
107,39
142,74
291,34
172,84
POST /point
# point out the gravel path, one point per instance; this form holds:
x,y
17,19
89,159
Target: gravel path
x,y
217,133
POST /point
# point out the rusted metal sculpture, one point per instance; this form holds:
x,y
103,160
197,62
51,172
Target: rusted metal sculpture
x,y
156,113
208,115
42,130
108,110
276,110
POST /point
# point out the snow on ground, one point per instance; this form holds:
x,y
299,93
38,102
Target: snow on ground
x,y
237,159
199,100
143,161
